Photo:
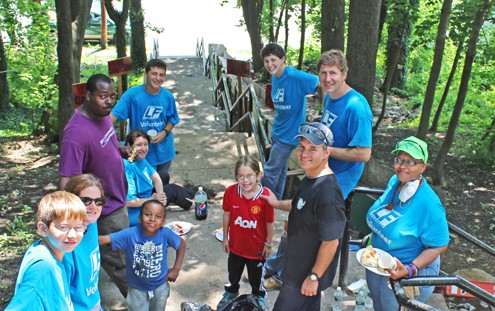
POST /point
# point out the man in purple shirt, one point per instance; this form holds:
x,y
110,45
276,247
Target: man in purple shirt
x,y
89,145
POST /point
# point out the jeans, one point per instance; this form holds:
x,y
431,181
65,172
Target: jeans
x,y
164,167
138,300
275,263
275,170
114,261
291,299
383,296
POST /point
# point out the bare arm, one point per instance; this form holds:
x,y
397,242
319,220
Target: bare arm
x,y
284,205
425,258
104,239
326,253
269,239
179,258
226,224
157,183
112,117
163,134
353,154
62,181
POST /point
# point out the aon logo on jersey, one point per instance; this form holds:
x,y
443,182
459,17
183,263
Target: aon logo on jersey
x,y
245,223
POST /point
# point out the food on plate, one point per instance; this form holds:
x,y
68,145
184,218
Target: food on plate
x,y
177,228
133,155
369,257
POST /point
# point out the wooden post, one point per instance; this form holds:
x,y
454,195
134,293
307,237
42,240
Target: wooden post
x,y
118,68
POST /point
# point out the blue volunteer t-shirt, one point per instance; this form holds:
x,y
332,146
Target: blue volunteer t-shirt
x,y
146,256
406,230
140,185
146,112
351,121
289,98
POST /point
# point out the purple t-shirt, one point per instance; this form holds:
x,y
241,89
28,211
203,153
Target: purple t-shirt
x,y
90,146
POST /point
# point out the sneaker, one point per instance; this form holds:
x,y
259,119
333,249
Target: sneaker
x,y
272,284
227,297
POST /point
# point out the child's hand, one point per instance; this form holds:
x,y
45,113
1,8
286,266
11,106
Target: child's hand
x,y
225,246
267,250
172,274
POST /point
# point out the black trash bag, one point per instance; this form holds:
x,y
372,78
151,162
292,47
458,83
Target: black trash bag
x,y
243,303
194,306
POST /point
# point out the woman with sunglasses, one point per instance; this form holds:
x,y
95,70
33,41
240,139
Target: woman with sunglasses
x,y
83,264
144,183
409,222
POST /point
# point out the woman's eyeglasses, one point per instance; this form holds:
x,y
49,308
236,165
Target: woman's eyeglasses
x,y
410,163
87,201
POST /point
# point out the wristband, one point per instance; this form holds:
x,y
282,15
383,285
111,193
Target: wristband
x,y
166,132
409,271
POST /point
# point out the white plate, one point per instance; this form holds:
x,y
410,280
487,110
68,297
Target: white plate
x,y
219,234
372,269
179,227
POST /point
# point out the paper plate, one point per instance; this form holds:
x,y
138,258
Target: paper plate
x,y
179,227
219,234
372,269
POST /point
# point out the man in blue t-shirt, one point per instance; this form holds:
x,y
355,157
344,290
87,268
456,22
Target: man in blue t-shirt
x,y
151,108
348,115
289,89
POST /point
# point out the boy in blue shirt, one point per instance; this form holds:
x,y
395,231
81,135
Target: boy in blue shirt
x,y
146,257
42,283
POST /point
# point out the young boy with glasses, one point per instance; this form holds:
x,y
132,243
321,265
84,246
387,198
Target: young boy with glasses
x,y
42,283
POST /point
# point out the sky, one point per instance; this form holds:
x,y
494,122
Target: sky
x,y
184,21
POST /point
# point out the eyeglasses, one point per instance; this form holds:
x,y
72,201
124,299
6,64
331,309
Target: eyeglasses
x,y
67,228
87,201
313,130
410,163
245,177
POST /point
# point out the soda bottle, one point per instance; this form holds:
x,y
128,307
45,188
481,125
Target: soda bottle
x,y
338,299
201,205
361,297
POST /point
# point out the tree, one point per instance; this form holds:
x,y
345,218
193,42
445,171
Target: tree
x,y
435,69
79,11
120,20
303,34
332,25
363,36
438,166
138,44
65,68
4,83
251,10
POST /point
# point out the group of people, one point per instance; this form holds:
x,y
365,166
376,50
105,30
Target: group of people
x,y
114,208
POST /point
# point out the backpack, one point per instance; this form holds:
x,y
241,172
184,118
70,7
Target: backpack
x,y
243,303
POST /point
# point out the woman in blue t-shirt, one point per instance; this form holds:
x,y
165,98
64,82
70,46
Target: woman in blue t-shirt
x,y
145,184
409,222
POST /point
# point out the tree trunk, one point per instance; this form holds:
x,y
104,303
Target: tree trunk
x,y
435,70
363,36
286,44
332,25
399,28
434,123
120,20
438,167
4,82
279,22
138,44
251,10
381,20
79,17
303,34
65,65
271,26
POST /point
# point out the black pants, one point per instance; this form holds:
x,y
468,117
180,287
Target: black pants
x,y
176,194
255,274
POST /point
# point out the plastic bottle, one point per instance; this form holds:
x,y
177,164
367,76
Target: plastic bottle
x,y
361,297
338,299
201,204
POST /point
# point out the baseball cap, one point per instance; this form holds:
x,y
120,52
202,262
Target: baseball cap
x,y
413,146
317,133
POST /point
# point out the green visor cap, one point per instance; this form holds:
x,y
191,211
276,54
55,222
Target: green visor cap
x,y
413,146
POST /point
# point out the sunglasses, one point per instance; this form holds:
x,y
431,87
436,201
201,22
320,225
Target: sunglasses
x,y
313,130
87,201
